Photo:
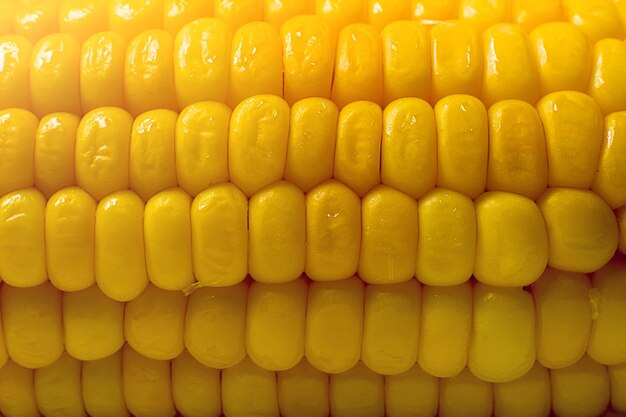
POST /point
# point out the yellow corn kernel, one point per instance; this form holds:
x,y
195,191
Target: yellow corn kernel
x,y
581,389
598,19
102,154
147,385
120,259
55,74
103,394
58,388
255,63
195,387
446,246
383,12
530,14
607,344
502,345
607,75
311,143
563,317
357,151
334,324
400,398
341,13
277,12
388,236
7,15
70,239
481,14
434,11
445,328
219,235
201,61
102,71
303,391
462,148
167,235
333,232
617,377
518,162
257,142
93,324
308,44
178,13
149,73
582,230
152,153
526,396
457,60
36,18
81,19
15,52
621,218
17,142
277,235
33,324
406,61
510,71
237,13
129,18
562,53
201,146
572,123
465,395
610,179
249,390
22,241
215,324
275,324
409,147
391,327
357,392
17,392
154,323
4,355
55,142
512,242
358,66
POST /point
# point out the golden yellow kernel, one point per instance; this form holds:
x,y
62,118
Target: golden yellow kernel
x,y
58,388
70,239
102,71
380,13
525,396
303,391
55,75
341,13
215,325
465,395
607,74
55,143
356,390
129,18
400,398
391,327
446,246
93,324
530,14
219,235
429,12
17,391
17,142
7,15
597,18
277,12
610,179
103,394
81,19
621,218
249,390
333,232
201,61
15,53
358,66
481,14
195,387
237,13
334,324
167,236
178,13
617,377
388,236
36,18
277,233
275,324
120,259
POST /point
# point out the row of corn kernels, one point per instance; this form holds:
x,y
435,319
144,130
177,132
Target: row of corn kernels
x,y
34,19
410,146
117,386
220,237
497,332
202,63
